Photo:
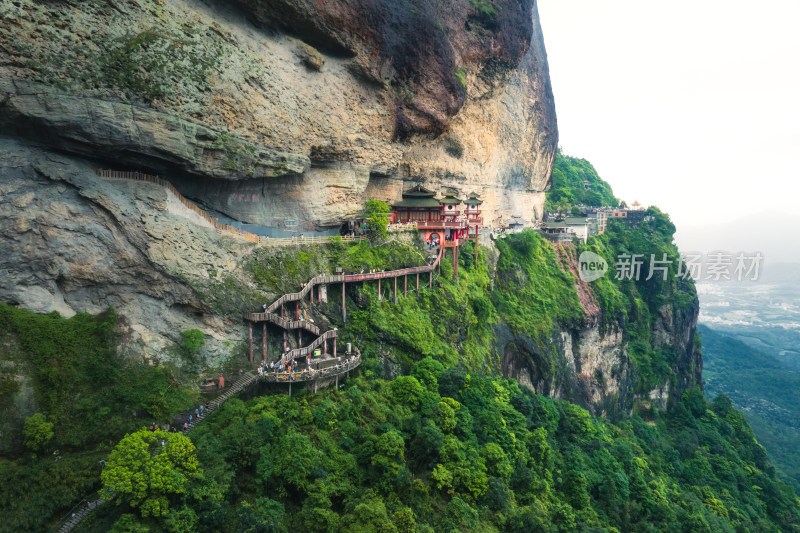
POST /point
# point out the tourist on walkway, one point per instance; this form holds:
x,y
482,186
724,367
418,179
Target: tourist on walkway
x,y
185,426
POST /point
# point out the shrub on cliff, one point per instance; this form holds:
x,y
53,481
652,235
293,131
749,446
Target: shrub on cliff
x,y
191,341
37,432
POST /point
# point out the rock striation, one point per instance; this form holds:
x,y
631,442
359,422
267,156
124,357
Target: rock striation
x,y
275,110
72,242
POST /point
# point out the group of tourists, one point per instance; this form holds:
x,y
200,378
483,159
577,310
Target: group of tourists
x,y
194,417
293,367
272,367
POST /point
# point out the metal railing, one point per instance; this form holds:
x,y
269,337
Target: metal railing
x,y
311,375
402,226
138,176
308,350
282,322
314,239
349,278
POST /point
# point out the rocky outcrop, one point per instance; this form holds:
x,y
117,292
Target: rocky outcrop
x,y
590,365
588,362
72,242
301,116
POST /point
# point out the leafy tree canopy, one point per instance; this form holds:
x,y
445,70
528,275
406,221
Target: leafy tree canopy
x,y
377,215
148,467
37,432
575,181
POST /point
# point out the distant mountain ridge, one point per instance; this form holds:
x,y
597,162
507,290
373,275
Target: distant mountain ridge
x,y
767,232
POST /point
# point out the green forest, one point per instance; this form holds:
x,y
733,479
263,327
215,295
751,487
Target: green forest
x,y
575,181
423,437
765,388
446,450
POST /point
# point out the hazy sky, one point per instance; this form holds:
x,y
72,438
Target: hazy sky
x,y
693,106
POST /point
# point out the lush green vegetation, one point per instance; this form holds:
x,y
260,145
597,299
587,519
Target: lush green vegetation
x,y
35,489
533,292
282,270
444,450
568,189
454,323
765,389
87,399
628,298
451,323
441,447
191,341
377,215
147,468
80,384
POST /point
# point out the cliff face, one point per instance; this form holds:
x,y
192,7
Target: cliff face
x,y
589,362
278,110
72,242
590,365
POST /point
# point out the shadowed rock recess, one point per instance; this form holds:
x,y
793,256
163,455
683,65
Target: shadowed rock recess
x,y
270,110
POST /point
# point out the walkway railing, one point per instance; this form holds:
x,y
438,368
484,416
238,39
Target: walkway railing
x,y
138,176
308,350
311,375
324,279
282,322
402,226
78,513
299,241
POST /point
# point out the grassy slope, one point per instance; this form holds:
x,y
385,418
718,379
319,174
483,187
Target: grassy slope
x,y
90,396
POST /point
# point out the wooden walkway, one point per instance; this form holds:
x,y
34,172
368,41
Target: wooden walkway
x,y
311,375
270,315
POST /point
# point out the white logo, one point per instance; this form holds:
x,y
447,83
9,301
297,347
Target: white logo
x,y
592,266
